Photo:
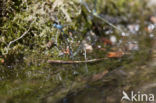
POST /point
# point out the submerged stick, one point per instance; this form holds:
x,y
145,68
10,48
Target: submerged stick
x,y
86,61
75,62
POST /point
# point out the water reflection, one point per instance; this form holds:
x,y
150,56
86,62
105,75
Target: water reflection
x,y
109,88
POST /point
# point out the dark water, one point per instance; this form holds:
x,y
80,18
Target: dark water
x,y
137,78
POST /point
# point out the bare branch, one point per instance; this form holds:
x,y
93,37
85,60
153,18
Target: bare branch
x,y
75,62
8,47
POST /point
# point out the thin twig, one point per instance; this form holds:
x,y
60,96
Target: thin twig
x,y
104,20
96,15
85,55
75,62
18,38
82,61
